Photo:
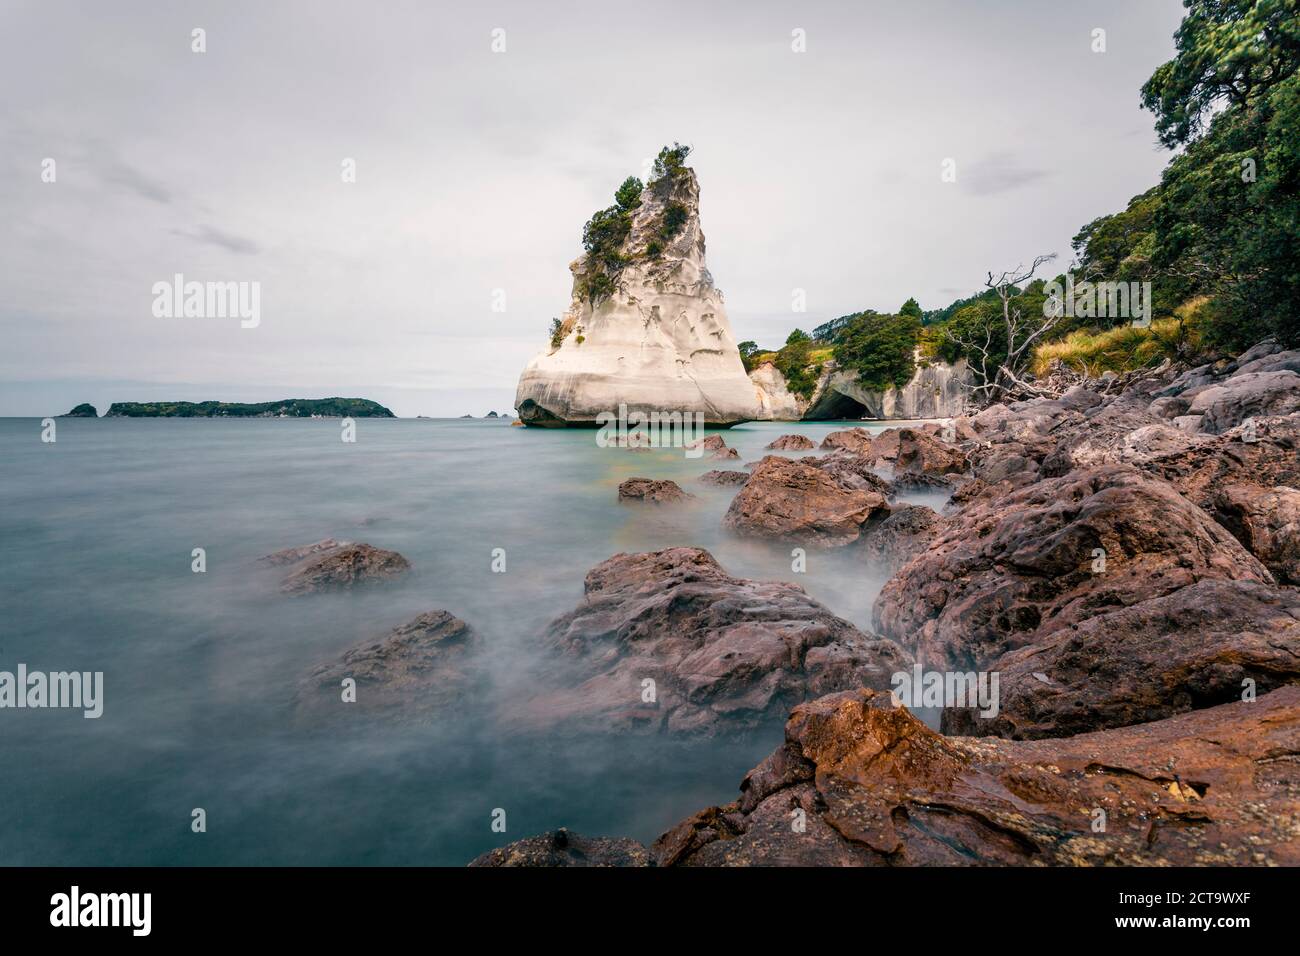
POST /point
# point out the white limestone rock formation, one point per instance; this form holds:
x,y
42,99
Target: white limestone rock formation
x,y
937,390
658,341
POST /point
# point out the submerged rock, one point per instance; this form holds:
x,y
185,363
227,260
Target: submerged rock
x,y
659,340
725,477
669,641
907,532
332,565
425,665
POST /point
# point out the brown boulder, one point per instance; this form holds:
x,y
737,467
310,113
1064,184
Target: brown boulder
x,y
856,440
723,654
1246,395
792,443
796,501
877,787
1007,571
651,491
1183,651
921,453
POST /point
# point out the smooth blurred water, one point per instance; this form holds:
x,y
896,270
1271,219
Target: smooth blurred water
x,y
96,534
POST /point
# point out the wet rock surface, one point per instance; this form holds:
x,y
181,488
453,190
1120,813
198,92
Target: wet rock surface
x,y
1199,646
724,654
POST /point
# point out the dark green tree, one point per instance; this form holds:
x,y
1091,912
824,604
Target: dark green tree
x,y
881,348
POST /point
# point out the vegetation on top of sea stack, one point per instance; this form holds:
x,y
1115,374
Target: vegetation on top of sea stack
x,y
84,410
606,231
288,408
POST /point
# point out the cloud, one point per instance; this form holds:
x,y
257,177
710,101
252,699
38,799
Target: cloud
x,y
998,173
215,237
132,179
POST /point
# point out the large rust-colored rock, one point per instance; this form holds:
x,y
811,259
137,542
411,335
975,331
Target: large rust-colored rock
x,y
798,502
1199,646
1008,571
921,453
724,654
425,665
856,440
875,786
322,567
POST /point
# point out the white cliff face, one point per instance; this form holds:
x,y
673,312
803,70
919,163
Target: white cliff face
x,y
776,402
937,390
659,342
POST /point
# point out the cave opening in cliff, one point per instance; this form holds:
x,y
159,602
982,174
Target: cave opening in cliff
x,y
837,405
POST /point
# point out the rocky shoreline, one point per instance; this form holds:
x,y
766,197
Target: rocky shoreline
x,y
1116,569
1123,557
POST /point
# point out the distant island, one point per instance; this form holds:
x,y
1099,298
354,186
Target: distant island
x,y
84,410
287,408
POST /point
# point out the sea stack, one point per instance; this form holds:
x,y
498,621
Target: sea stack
x,y
646,328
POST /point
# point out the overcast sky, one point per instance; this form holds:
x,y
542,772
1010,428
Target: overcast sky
x,y
476,170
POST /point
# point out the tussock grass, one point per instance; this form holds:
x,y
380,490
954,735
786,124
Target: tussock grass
x,y
1124,348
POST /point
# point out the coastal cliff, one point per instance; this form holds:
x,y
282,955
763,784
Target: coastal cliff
x,y
646,327
937,390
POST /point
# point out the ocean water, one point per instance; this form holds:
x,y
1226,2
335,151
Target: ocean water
x,y
96,535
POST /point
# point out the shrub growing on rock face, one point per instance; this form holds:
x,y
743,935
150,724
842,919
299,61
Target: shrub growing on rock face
x,y
670,161
628,196
795,363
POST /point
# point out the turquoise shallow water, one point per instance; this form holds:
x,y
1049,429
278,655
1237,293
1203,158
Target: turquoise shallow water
x,y
96,533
